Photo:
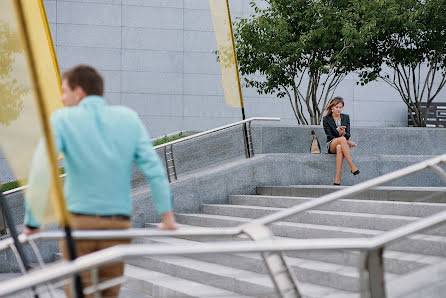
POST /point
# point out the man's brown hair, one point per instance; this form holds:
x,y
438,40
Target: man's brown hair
x,y
86,77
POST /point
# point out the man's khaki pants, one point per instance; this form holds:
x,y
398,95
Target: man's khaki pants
x,y
83,247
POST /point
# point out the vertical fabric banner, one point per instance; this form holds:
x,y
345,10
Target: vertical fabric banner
x,y
40,197
221,19
21,123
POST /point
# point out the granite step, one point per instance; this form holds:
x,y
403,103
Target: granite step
x,y
417,243
396,262
322,273
381,193
415,209
320,217
160,285
372,221
240,281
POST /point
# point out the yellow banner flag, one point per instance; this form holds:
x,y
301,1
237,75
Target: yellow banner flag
x,y
30,91
221,19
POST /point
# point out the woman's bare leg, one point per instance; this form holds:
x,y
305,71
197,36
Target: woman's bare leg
x,y
345,150
339,161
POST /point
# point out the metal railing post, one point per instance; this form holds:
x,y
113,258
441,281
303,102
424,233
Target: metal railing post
x,y
281,273
3,230
170,164
372,284
95,281
39,257
245,141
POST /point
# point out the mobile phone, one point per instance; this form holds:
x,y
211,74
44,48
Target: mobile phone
x,y
342,127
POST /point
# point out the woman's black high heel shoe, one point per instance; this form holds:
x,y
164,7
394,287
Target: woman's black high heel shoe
x,y
338,184
356,172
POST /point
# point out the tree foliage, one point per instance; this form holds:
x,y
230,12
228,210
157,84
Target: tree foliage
x,y
11,91
302,50
409,52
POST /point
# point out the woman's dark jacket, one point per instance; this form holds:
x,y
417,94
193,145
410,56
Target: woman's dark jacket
x,y
330,127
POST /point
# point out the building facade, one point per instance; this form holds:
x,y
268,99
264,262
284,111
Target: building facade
x,y
156,56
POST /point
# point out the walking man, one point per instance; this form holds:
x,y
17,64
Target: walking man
x,y
100,144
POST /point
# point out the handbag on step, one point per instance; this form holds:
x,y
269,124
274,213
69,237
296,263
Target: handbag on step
x,y
315,147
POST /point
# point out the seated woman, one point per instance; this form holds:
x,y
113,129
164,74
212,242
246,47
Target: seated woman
x,y
337,129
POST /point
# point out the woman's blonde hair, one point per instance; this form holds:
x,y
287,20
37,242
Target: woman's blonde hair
x,y
333,102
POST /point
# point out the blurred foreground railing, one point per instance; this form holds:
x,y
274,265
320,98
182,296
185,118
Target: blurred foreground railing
x,y
371,270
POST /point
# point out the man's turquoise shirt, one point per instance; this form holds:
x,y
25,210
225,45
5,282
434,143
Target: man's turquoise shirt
x,y
100,143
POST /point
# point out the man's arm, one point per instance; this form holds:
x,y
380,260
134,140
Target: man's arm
x,y
150,164
36,195
39,181
31,225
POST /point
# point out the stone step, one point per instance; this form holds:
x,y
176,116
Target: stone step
x,y
396,262
236,280
418,243
333,218
382,193
426,283
127,292
160,285
317,272
414,209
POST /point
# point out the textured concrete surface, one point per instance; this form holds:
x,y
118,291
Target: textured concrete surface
x,y
165,286
380,193
370,140
429,282
359,205
330,275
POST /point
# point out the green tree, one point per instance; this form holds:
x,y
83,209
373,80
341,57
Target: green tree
x,y
409,52
11,91
302,50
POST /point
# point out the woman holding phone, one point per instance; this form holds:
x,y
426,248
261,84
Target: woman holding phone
x,y
337,129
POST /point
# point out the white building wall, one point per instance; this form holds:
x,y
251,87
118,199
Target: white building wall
x,y
156,57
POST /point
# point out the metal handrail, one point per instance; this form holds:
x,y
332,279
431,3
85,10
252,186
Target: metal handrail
x,y
122,234
9,192
169,158
217,129
17,189
372,242
120,252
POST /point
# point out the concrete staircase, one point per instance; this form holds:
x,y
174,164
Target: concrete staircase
x,y
213,169
320,274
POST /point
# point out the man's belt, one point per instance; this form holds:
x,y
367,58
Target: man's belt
x,y
114,216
